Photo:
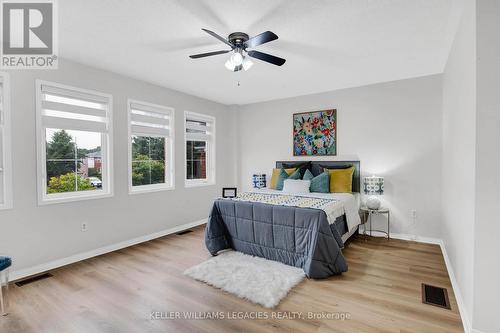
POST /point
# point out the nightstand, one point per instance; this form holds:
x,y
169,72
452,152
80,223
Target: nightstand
x,y
370,212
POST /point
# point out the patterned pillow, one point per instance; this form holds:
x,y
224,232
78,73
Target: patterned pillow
x,y
320,183
284,175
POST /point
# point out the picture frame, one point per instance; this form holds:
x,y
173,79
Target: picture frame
x,y
229,192
315,133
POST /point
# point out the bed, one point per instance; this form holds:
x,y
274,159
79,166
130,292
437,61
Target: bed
x,y
344,215
306,230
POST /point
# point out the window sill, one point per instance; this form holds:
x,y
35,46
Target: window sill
x,y
198,184
149,189
57,200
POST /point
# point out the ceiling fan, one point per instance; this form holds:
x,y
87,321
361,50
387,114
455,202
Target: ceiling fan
x,y
240,42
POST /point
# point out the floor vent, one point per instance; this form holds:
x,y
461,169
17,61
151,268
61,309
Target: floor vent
x,y
435,296
33,279
184,232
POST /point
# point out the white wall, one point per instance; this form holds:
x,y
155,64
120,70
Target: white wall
x,y
459,155
487,226
471,134
34,235
393,128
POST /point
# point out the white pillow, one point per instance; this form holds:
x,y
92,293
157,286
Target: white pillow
x,y
296,186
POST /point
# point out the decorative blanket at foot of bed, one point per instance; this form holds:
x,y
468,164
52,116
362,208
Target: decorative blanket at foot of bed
x,y
300,237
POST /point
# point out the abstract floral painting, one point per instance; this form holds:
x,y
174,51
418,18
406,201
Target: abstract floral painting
x,y
315,133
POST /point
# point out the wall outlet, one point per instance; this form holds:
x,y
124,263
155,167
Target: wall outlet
x,y
413,216
85,227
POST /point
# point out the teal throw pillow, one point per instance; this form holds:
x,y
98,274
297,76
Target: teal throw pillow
x,y
308,175
320,183
284,176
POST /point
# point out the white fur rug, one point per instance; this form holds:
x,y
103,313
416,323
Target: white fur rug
x,y
259,280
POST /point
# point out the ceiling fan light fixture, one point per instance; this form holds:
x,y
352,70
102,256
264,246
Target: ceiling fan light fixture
x,y
237,58
247,63
230,64
239,42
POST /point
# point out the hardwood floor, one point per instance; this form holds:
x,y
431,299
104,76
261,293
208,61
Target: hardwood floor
x,y
117,292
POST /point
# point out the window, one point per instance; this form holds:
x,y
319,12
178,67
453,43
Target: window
x,y
74,131
200,149
5,157
151,147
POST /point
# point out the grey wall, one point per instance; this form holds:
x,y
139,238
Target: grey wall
x,y
487,227
35,235
459,155
393,128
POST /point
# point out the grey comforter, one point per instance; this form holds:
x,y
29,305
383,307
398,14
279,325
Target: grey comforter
x,y
299,237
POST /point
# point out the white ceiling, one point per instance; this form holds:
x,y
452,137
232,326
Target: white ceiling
x,y
328,44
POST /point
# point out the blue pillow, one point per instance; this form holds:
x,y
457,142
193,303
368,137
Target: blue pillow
x,y
284,176
320,183
5,262
308,175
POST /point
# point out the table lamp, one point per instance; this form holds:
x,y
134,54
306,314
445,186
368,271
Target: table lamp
x,y
373,186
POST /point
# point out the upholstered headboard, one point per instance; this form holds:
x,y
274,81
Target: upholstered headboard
x,y
317,167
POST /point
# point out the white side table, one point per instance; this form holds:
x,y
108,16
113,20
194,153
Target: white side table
x,y
370,212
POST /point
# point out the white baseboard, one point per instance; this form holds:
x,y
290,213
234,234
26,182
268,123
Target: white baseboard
x,y
451,274
420,239
16,275
456,290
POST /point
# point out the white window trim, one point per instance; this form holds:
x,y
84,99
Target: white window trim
x,y
6,173
211,180
106,149
170,151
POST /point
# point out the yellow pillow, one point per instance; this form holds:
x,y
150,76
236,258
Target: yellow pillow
x,y
276,173
341,180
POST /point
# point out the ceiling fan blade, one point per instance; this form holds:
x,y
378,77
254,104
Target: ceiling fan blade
x,y
201,55
267,58
264,37
222,39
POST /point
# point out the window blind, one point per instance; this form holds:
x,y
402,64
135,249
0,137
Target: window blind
x,y
74,110
198,128
148,120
